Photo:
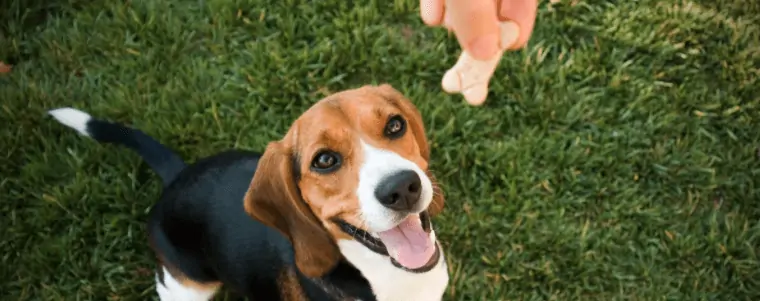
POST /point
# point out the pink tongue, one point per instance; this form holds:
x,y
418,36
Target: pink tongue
x,y
408,243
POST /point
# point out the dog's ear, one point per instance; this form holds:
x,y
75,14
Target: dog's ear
x,y
412,114
274,199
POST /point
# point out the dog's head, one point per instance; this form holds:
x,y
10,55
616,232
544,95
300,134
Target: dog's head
x,y
352,167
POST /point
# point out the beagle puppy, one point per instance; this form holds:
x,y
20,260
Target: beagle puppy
x,y
339,209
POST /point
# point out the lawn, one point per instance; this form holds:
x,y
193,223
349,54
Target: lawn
x,y
616,157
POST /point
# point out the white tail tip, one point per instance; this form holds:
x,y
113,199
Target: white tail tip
x,y
72,118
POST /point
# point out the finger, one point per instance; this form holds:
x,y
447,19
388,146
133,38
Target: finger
x,y
475,25
522,12
431,12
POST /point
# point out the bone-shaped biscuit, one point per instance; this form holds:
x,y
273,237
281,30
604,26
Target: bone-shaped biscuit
x,y
470,77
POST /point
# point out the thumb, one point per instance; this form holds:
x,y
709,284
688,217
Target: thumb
x,y
476,26
522,12
431,12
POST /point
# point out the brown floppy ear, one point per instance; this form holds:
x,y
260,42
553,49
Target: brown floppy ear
x,y
275,200
436,206
410,110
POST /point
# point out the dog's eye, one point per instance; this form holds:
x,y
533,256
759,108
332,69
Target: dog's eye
x,y
325,161
395,127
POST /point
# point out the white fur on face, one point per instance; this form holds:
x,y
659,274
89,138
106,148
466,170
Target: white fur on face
x,y
173,290
379,163
390,283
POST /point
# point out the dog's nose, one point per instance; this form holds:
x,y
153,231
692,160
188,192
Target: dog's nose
x,y
400,191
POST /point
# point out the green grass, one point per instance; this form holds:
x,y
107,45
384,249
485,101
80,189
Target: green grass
x,y
616,157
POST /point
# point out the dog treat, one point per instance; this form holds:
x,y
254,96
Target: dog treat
x,y
470,77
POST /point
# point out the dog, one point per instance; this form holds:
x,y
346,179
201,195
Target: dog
x,y
339,209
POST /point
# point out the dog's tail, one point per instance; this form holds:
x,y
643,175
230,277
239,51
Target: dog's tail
x,y
160,158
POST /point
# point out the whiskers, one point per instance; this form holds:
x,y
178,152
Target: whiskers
x,y
437,190
361,224
437,186
437,205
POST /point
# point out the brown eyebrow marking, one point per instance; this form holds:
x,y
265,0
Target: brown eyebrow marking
x,y
326,138
379,113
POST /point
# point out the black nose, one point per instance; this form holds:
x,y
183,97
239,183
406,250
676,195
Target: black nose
x,y
399,191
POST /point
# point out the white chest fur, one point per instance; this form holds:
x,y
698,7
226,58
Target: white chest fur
x,y
391,283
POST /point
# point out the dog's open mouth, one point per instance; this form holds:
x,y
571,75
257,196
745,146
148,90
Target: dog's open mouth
x,y
409,244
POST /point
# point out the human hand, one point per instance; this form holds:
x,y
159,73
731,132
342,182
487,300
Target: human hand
x,y
484,29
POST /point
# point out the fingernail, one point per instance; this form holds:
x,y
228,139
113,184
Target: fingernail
x,y
484,47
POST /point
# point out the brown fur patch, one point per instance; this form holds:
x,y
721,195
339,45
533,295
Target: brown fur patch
x,y
274,199
210,286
